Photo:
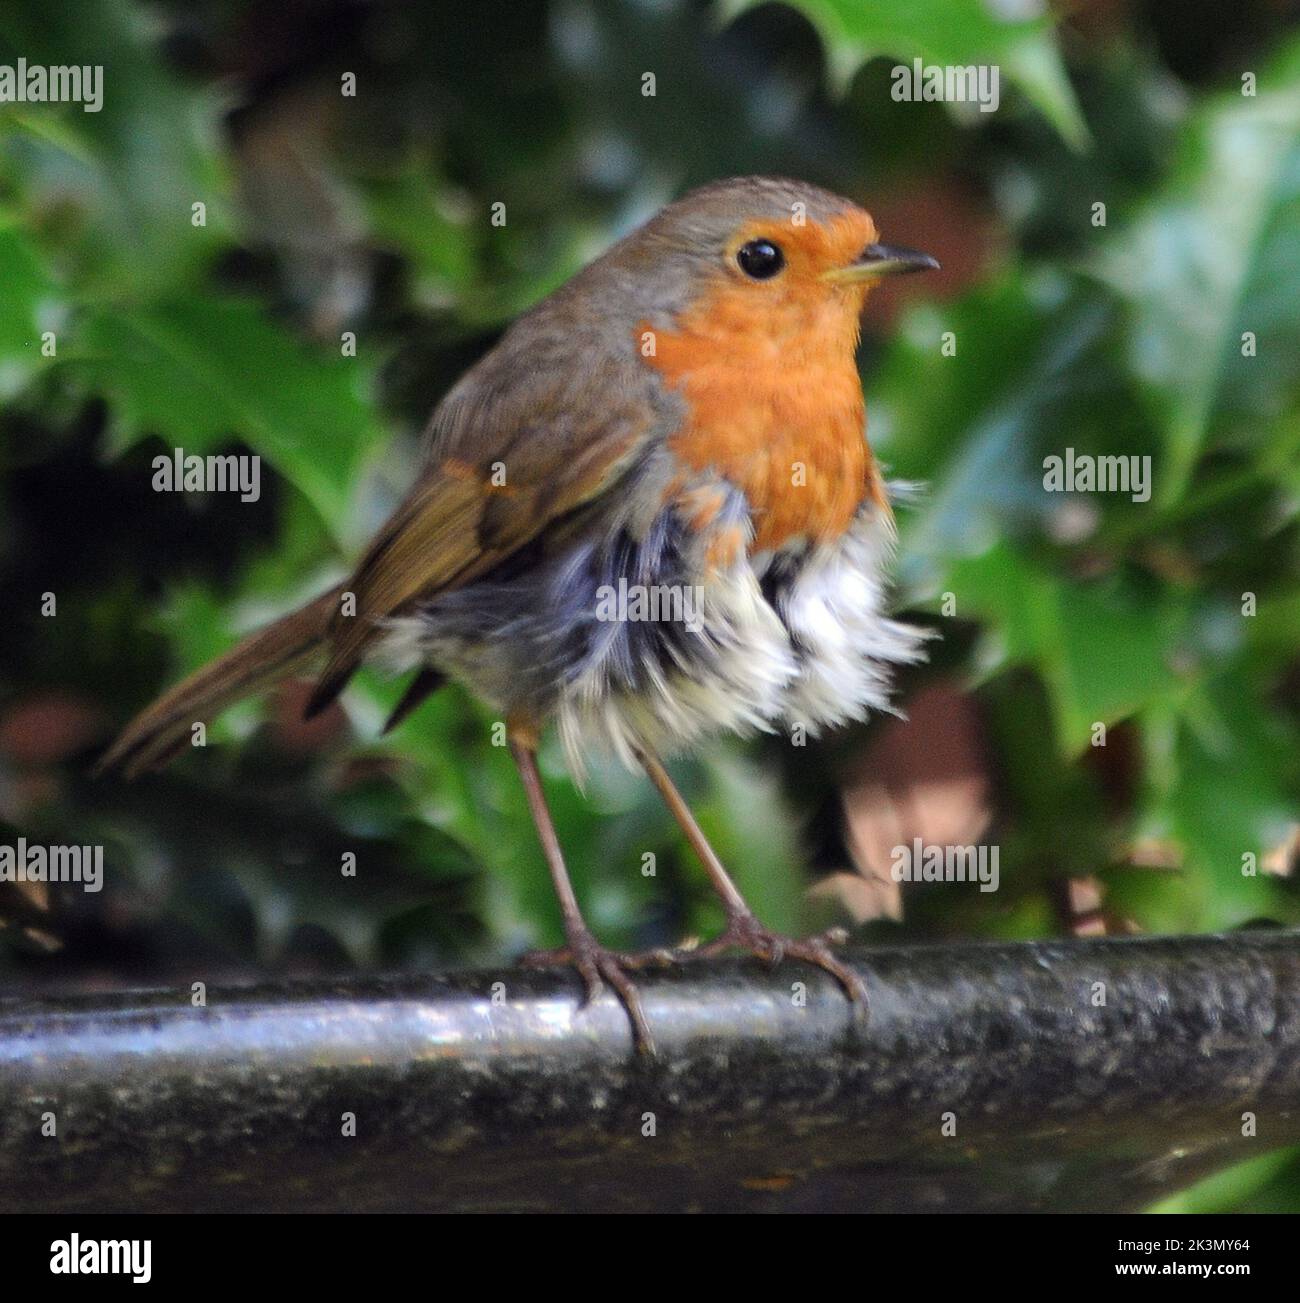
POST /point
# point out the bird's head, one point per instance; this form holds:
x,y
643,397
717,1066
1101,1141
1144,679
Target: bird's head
x,y
764,254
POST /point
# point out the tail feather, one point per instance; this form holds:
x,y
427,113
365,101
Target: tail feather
x,y
291,644
425,683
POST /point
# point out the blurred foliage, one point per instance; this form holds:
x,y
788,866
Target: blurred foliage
x,y
325,214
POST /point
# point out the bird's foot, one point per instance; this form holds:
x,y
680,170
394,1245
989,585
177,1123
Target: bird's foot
x,y
745,932
597,967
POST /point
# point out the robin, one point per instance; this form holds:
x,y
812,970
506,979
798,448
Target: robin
x,y
648,515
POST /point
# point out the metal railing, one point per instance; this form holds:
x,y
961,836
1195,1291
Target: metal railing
x,y
1074,1075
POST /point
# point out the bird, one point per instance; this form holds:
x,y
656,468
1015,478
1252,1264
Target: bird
x,y
648,516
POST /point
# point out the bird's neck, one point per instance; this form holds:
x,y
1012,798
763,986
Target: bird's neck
x,y
779,414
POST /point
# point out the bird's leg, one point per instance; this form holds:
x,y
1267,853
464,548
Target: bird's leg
x,y
595,964
743,930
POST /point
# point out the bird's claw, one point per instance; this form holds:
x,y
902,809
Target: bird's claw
x,y
745,932
599,967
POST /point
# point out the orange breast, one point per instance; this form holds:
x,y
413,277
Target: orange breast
x,y
774,404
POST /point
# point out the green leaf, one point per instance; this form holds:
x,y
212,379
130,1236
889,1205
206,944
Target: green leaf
x,y
1226,1191
1029,376
123,179
410,211
945,32
1187,264
29,305
1222,771
1104,648
754,832
202,373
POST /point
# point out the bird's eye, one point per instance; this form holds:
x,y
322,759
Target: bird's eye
x,y
760,259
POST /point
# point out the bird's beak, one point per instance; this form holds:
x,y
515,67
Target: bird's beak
x,y
883,260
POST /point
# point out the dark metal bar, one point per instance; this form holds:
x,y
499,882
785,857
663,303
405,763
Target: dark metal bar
x,y
1072,1075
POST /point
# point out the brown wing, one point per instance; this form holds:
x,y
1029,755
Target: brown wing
x,y
498,472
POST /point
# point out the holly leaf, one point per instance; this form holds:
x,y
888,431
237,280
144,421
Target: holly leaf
x,y
123,179
202,373
1222,771
29,305
946,33
1225,224
1104,648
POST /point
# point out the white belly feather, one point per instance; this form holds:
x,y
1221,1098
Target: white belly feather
x,y
827,663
